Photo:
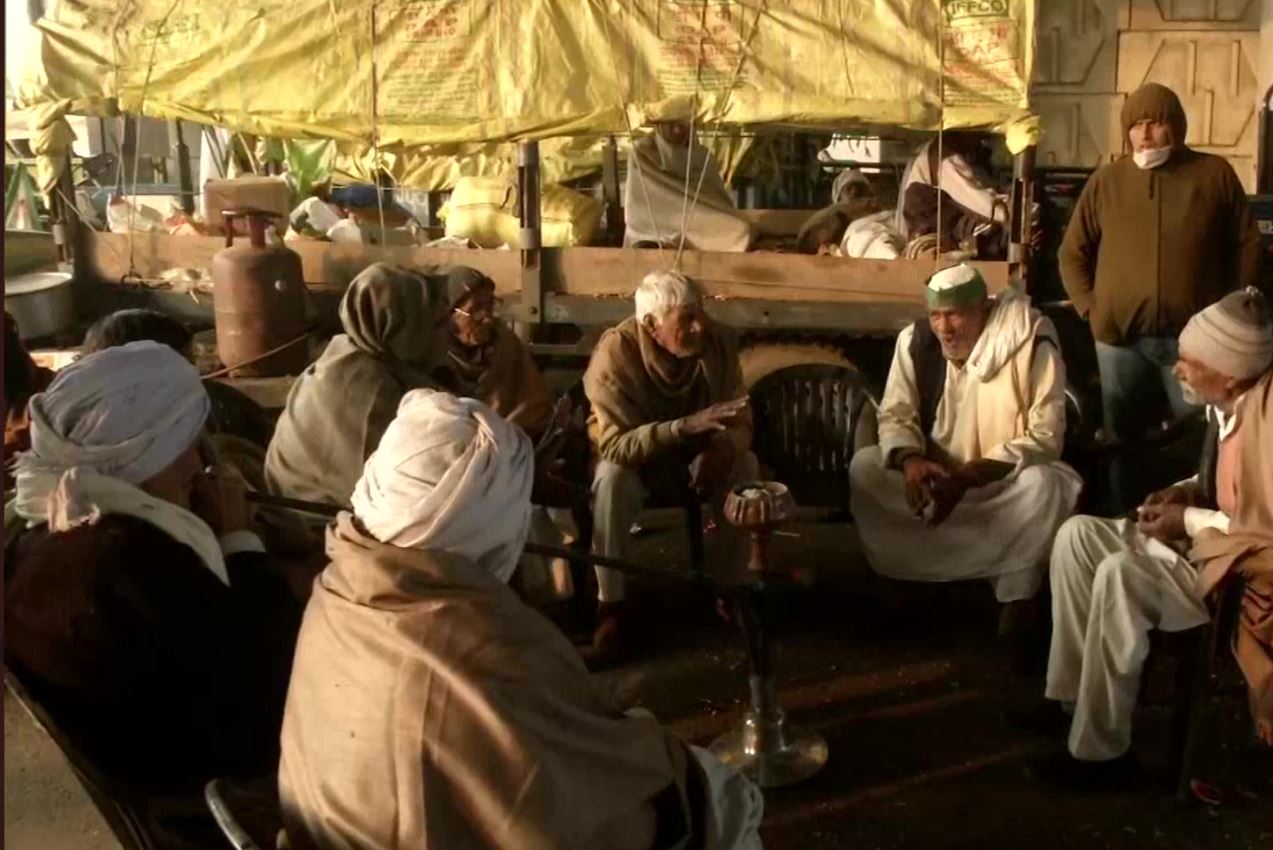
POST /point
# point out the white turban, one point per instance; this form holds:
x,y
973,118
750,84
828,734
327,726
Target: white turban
x,y
127,412
450,475
846,178
106,424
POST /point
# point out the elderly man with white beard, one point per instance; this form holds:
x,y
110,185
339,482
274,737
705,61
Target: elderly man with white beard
x,y
967,482
429,707
1114,581
669,419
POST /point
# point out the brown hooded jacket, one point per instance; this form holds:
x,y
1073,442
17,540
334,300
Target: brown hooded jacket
x,y
1146,249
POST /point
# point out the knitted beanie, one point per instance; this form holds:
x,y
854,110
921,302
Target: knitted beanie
x,y
1233,336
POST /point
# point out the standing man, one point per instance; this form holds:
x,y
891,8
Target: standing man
x,y
1155,238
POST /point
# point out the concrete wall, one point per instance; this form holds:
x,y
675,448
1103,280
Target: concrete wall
x,y
1092,53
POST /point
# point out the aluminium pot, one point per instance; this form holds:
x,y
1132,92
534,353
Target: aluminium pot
x,y
41,303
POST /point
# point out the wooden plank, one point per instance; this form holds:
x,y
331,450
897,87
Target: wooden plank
x,y
766,276
568,271
324,264
872,318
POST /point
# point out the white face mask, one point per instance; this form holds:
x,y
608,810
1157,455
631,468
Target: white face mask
x,y
1151,158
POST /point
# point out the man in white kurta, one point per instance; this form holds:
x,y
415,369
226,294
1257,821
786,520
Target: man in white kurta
x,y
967,482
1113,582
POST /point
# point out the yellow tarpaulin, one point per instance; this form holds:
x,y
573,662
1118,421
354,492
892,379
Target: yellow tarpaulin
x,y
403,73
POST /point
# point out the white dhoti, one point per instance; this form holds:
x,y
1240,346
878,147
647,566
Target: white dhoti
x,y
735,805
1001,532
1110,586
618,494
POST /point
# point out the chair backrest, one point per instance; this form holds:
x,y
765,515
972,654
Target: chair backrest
x,y
807,420
224,815
246,809
121,809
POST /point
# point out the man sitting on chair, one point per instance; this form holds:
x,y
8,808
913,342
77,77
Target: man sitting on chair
x,y
485,360
429,707
140,606
966,481
1112,583
669,417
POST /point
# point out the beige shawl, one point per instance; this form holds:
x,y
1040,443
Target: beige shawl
x,y
429,707
1248,550
656,203
503,376
341,405
637,389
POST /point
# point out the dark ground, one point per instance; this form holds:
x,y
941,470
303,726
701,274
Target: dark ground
x,y
908,684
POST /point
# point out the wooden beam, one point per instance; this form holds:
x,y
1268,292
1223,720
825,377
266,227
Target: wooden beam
x,y
326,265
593,272
760,275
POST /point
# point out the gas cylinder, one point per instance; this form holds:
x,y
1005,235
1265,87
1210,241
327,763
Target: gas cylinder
x,y
259,299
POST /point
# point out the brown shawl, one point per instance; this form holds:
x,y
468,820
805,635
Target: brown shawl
x,y
637,389
339,408
429,707
503,375
1248,550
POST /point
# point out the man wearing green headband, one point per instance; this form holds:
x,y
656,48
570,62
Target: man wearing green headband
x,y
966,481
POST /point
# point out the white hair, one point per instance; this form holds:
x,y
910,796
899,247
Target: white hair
x,y
662,292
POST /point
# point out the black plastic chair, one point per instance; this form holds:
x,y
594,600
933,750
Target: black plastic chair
x,y
1196,652
809,420
246,812
128,813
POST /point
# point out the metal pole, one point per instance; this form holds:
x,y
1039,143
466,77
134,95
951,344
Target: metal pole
x,y
184,179
532,269
128,150
610,187
63,218
1022,219
1264,147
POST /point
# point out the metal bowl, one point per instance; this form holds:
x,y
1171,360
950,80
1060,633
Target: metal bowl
x,y
41,303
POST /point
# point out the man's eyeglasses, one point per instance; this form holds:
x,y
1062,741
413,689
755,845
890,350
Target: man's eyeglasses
x,y
486,314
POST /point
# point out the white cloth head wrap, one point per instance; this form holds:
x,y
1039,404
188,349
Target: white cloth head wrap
x,y
848,177
450,475
127,412
106,424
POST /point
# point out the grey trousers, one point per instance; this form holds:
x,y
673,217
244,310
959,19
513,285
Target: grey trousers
x,y
618,494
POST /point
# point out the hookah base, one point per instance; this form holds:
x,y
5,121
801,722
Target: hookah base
x,y
784,756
